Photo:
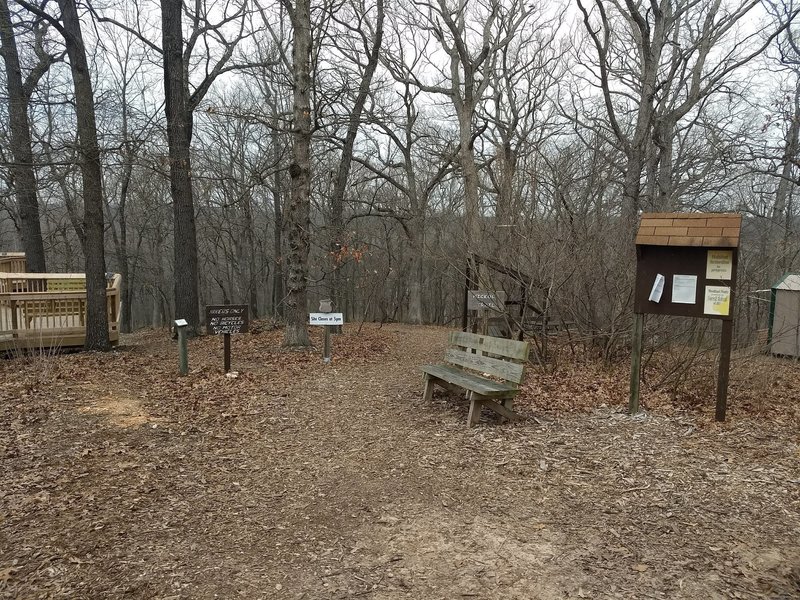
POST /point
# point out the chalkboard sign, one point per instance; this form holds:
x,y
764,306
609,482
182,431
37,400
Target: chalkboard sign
x,y
227,319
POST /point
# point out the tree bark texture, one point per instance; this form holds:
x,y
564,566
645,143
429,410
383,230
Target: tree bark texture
x,y
22,171
297,213
780,222
277,274
179,128
92,179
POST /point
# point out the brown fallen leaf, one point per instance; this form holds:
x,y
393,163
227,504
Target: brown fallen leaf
x,y
5,575
640,567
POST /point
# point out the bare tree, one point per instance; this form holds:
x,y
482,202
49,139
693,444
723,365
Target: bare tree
x,y
19,95
656,62
179,135
91,172
218,34
297,212
370,40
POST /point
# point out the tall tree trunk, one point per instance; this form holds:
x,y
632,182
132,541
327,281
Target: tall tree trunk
x,y
297,215
92,178
663,136
126,324
416,274
278,289
121,239
22,168
470,171
780,222
179,135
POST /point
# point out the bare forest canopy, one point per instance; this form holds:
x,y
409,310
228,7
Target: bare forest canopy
x,y
275,152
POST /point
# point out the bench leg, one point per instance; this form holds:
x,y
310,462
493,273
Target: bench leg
x,y
503,411
475,405
427,396
509,404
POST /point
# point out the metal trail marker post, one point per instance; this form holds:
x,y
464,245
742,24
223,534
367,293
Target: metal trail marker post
x,y
227,319
327,319
183,351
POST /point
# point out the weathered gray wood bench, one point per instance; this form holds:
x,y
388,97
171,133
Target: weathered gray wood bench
x,y
469,359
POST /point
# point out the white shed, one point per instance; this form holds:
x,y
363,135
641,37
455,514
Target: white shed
x,y
784,316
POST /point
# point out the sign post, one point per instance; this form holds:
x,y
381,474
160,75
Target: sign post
x,y
183,351
227,319
327,319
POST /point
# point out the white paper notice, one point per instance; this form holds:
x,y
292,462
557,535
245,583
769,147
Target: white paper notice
x,y
719,264
658,289
684,289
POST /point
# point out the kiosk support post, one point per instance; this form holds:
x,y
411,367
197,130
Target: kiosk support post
x,y
724,369
636,362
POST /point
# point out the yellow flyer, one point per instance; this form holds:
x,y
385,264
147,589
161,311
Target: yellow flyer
x,y
717,300
719,264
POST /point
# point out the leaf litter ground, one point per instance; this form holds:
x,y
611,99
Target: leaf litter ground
x,y
299,480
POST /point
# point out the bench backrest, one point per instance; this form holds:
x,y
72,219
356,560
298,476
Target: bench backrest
x,y
493,356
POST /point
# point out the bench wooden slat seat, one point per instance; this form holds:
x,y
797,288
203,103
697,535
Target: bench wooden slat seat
x,y
467,381
469,359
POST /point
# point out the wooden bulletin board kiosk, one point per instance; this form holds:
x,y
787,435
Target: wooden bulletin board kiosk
x,y
686,266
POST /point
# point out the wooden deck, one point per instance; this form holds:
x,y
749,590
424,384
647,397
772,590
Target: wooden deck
x,y
12,262
48,310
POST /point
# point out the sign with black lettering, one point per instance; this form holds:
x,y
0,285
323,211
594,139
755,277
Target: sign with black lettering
x,y
326,319
227,319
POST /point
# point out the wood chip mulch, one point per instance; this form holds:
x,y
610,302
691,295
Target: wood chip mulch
x,y
293,479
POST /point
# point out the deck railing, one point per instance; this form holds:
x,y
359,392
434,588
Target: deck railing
x,y
12,262
47,310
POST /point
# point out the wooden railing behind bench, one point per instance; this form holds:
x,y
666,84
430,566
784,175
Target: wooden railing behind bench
x,y
12,262
46,310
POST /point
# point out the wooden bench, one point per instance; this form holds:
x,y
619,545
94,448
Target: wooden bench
x,y
469,359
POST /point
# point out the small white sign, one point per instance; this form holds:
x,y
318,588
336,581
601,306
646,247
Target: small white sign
x,y
181,322
719,264
658,289
326,319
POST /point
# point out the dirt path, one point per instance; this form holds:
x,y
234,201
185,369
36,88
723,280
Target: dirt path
x,y
296,480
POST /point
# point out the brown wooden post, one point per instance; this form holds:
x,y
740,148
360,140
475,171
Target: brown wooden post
x,y
465,311
326,347
724,369
227,351
14,317
636,362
